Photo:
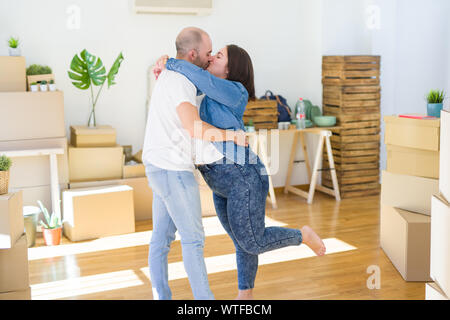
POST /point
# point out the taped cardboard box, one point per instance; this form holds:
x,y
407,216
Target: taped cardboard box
x,y
12,74
412,133
35,170
16,295
90,213
440,243
408,192
405,238
14,266
413,162
92,164
11,219
444,162
85,137
433,292
31,115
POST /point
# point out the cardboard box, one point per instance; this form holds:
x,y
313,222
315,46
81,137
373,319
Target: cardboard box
x,y
11,219
35,170
133,171
90,213
85,137
38,78
206,196
405,238
414,162
16,295
440,243
444,162
31,115
14,266
433,292
408,192
91,164
12,74
412,133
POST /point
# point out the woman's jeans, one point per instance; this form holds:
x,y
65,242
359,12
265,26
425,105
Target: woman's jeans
x,y
176,206
240,193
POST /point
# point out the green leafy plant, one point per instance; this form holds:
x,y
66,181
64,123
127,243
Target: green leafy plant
x,y
35,69
250,123
13,42
5,163
51,221
34,83
52,82
88,70
435,96
43,82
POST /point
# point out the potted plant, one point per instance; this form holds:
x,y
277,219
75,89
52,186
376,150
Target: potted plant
x,y
435,99
52,227
34,87
88,70
52,85
43,85
250,127
5,164
38,73
14,49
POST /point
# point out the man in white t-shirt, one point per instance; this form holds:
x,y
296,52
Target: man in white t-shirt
x,y
171,146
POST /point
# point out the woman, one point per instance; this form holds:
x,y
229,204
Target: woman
x,y
240,183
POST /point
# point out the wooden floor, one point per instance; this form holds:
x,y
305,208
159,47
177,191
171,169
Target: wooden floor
x,y
122,273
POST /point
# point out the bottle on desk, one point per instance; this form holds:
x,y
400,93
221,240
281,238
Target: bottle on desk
x,y
300,114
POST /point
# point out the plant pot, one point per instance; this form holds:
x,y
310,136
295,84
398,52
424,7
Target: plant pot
x,y
30,218
14,52
43,87
52,87
434,109
34,88
52,237
4,182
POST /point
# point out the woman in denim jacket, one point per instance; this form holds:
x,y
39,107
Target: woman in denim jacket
x,y
239,181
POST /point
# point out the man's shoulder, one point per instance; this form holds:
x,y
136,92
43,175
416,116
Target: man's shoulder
x,y
169,76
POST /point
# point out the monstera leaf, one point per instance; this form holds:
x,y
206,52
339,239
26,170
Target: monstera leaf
x,y
114,70
85,69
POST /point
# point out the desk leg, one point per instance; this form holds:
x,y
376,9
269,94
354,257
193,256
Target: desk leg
x,y
312,186
305,153
263,151
333,170
291,162
55,186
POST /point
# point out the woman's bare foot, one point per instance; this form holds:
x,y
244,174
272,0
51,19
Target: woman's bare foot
x,y
312,240
245,295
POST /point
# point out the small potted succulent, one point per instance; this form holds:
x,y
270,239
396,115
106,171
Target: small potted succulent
x,y
5,164
52,227
43,85
14,49
34,87
250,126
435,100
52,85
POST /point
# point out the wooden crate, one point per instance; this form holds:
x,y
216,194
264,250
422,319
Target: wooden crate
x,y
351,100
351,70
264,114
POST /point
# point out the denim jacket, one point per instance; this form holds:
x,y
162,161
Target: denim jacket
x,y
223,106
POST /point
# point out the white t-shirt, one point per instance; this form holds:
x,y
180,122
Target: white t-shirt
x,y
167,144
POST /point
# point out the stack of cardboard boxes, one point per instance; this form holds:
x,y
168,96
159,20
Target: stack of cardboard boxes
x,y
407,185
440,222
14,280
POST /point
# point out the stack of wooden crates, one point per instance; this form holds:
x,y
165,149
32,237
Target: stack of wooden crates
x,y
351,93
263,113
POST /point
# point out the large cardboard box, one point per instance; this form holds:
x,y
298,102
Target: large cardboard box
x,y
12,74
133,170
16,295
412,133
405,238
85,137
11,219
444,162
90,213
91,164
414,162
14,266
142,194
433,292
440,243
35,170
31,115
408,192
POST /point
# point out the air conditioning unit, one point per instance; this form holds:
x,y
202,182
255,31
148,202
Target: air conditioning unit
x,y
194,7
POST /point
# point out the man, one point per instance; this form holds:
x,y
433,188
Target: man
x,y
170,149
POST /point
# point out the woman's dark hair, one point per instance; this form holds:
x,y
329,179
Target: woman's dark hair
x,y
240,69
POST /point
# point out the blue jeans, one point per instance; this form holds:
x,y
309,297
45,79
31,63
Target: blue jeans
x,y
240,193
176,206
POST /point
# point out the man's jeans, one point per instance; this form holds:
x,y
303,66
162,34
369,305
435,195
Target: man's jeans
x,y
176,206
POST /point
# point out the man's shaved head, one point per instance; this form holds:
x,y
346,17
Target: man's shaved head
x,y
194,44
